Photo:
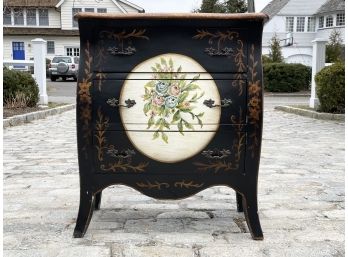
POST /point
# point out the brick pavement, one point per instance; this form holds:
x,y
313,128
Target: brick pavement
x,y
301,199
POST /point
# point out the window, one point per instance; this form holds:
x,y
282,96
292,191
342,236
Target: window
x,y
321,22
75,11
31,17
89,9
50,47
7,16
101,10
311,24
329,21
300,24
43,17
61,59
18,16
340,19
289,24
73,51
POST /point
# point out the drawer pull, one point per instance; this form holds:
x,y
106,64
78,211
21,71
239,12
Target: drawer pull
x,y
224,103
124,154
113,102
216,154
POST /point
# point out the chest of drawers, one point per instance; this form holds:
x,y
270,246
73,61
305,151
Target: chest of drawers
x,y
169,105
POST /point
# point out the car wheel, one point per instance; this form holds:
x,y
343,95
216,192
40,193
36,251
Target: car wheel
x,y
64,78
75,78
53,78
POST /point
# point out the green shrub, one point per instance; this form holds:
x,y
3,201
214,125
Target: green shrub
x,y
330,88
16,82
286,77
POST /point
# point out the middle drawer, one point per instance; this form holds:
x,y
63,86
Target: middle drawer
x,y
190,102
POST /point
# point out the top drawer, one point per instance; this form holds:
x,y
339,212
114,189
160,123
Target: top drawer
x,y
217,49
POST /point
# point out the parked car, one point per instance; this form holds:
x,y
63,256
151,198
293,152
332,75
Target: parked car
x,y
64,67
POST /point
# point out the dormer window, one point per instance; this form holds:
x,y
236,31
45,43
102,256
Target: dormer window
x,y
18,16
31,17
74,20
340,19
289,24
300,24
321,22
311,24
7,16
329,21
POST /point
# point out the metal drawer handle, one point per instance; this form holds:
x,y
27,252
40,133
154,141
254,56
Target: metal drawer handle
x,y
216,154
124,154
224,103
113,102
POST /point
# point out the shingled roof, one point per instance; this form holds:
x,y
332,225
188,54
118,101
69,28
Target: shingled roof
x,y
331,6
39,31
31,3
274,7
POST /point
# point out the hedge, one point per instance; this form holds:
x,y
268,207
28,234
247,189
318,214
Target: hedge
x,y
330,88
286,77
18,82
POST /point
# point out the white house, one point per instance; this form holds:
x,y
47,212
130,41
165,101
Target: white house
x,y
302,22
53,21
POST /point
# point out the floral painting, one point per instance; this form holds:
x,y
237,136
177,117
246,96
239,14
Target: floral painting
x,y
170,100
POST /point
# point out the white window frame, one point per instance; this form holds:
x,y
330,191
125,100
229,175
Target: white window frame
x,y
289,20
331,19
342,21
35,11
74,11
302,25
89,9
321,22
54,47
101,10
74,51
48,17
311,21
11,16
15,15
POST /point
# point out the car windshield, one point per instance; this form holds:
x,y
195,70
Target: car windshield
x,y
61,59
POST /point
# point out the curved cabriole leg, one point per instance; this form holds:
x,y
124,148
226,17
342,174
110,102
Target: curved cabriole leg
x,y
85,213
252,216
239,200
97,200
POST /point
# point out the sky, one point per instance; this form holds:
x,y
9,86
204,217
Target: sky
x,y
181,5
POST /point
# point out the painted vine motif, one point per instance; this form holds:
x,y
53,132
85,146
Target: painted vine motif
x,y
254,105
121,47
85,99
124,158
170,100
237,148
161,185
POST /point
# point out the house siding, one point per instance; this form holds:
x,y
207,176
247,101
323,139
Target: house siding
x,y
66,10
300,7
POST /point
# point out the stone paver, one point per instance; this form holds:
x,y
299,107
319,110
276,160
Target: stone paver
x,y
301,199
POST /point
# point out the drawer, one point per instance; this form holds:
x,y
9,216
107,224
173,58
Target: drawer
x,y
141,104
221,49
136,152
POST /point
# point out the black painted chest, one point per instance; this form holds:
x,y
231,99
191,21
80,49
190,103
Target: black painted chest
x,y
170,105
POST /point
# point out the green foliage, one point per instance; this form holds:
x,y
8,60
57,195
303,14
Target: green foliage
x,y
335,48
226,6
266,59
275,53
16,82
330,88
286,77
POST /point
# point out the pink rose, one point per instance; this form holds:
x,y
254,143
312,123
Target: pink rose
x,y
174,90
158,100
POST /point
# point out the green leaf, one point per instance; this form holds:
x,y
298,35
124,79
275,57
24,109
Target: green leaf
x,y
153,69
176,116
150,122
163,61
200,115
166,124
200,122
179,69
188,125
196,77
155,135
183,96
180,126
193,116
147,108
165,137
192,87
149,84
171,64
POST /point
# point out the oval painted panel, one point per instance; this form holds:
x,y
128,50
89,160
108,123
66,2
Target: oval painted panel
x,y
169,122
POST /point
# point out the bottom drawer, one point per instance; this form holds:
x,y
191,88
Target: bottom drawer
x,y
197,152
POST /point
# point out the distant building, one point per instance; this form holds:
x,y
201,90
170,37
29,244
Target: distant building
x,y
53,21
303,21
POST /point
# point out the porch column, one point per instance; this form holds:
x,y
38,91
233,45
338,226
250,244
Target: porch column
x,y
39,51
318,62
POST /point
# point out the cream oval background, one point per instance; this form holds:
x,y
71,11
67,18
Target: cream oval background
x,y
179,147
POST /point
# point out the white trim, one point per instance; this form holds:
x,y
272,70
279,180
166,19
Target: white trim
x,y
119,6
60,3
132,5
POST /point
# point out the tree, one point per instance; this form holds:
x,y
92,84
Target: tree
x,y
335,48
275,53
226,6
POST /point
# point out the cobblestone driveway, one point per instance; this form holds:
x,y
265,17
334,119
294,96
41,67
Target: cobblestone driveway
x,y
301,200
